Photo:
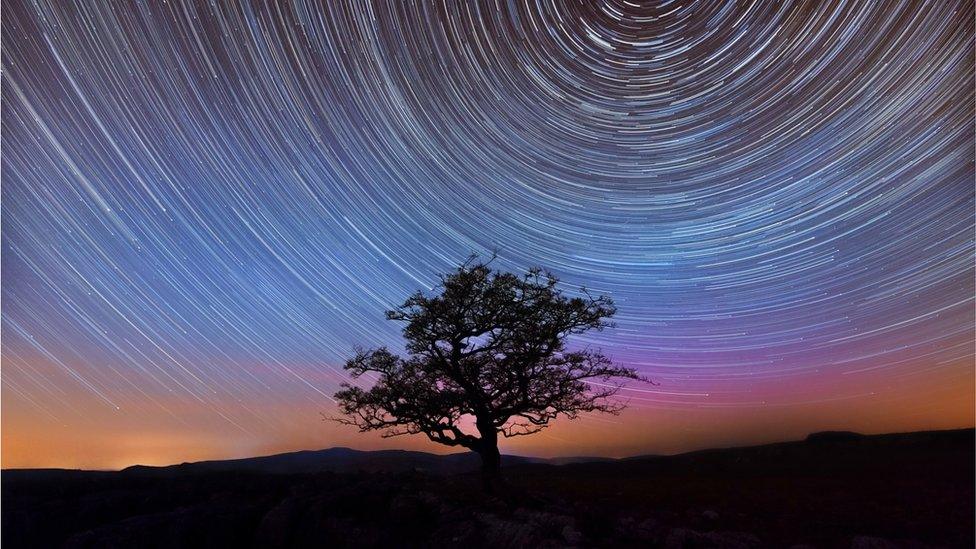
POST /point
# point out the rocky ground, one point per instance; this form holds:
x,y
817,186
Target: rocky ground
x,y
827,493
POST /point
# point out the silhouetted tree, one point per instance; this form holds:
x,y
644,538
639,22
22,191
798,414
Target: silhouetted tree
x,y
490,349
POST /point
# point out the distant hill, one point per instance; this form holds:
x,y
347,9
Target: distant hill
x,y
829,452
336,460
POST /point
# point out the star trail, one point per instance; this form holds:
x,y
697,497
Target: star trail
x,y
207,205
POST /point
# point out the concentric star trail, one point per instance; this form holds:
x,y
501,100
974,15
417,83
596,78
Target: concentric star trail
x,y
207,205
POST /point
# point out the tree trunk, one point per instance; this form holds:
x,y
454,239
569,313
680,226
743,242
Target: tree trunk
x,y
491,468
491,459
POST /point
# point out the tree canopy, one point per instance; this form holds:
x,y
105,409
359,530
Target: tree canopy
x,y
491,347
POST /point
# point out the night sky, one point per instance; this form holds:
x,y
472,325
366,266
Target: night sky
x,y
207,206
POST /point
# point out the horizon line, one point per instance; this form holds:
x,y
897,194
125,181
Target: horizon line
x,y
608,458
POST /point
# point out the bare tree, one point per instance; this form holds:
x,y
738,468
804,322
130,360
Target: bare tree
x,y
489,350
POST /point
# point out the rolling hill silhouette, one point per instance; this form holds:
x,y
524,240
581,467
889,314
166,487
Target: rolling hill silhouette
x,y
336,460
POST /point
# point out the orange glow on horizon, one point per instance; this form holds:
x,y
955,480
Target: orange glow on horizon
x,y
106,439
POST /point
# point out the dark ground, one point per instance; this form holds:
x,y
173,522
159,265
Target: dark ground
x,y
833,490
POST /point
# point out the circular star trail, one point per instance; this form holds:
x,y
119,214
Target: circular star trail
x,y
206,206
